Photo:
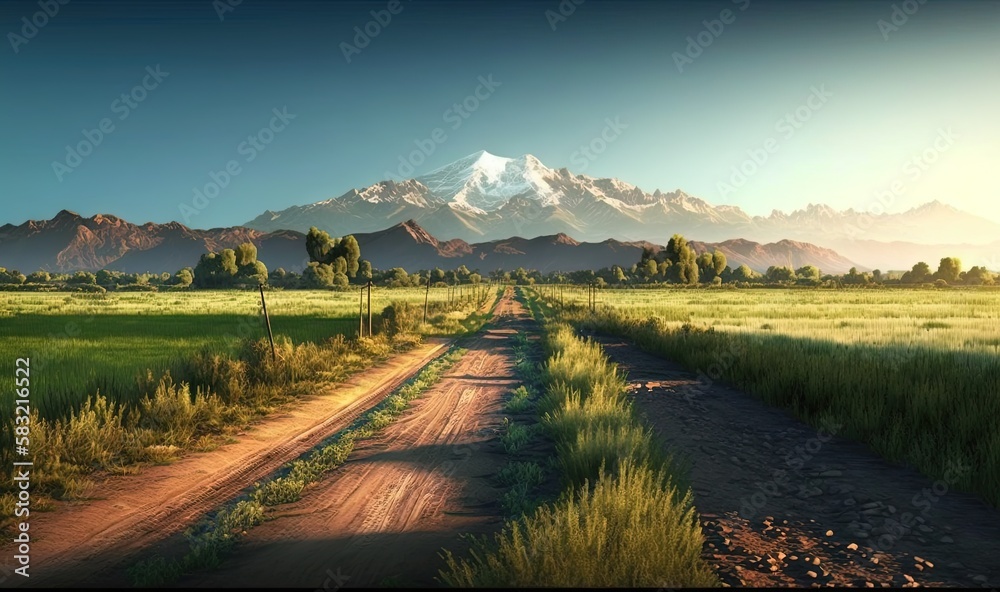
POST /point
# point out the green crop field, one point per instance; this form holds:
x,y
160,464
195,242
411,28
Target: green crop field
x,y
81,344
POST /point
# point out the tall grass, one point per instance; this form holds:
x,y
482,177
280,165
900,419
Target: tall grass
x,y
622,521
932,405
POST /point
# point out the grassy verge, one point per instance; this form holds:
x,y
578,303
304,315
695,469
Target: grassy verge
x,y
622,519
211,540
936,410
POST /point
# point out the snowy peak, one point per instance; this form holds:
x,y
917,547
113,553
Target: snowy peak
x,y
484,182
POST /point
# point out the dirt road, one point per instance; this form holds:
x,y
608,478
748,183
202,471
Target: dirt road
x,y
384,516
783,504
84,543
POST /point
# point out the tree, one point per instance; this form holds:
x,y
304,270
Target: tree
x,y
779,274
83,278
647,269
398,278
920,274
743,274
475,279
340,280
719,261
808,272
39,277
318,245
317,275
365,269
106,278
949,270
184,277
246,254
978,276
11,277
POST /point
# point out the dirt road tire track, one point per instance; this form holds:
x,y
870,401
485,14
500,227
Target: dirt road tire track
x,y
834,508
383,517
81,543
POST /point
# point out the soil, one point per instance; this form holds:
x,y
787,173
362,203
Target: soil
x,y
785,504
383,518
87,542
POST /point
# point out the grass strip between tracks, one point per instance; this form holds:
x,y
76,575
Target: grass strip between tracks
x,y
622,519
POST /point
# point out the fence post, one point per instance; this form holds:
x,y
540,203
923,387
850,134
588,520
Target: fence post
x,y
361,314
267,321
370,308
427,294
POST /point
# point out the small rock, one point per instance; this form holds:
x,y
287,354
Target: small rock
x,y
908,577
815,561
811,574
871,505
947,539
875,560
892,509
918,559
853,546
929,564
849,501
781,556
980,579
794,557
925,528
869,585
918,567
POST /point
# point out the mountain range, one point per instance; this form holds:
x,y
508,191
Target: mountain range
x,y
484,197
70,242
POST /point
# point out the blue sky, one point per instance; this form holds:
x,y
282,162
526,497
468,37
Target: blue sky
x,y
912,107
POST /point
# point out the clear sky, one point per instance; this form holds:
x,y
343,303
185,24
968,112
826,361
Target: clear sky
x,y
889,93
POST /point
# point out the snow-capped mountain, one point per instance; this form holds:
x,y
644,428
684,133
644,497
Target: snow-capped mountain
x,y
487,197
482,182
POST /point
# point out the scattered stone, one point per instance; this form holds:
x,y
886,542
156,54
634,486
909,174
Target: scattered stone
x,y
871,505
853,546
811,574
908,577
869,585
829,533
929,564
849,501
918,559
925,528
891,508
815,561
781,556
875,560
980,579
918,567
947,539
794,557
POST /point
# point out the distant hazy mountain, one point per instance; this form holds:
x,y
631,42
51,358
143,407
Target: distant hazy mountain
x,y
483,197
70,242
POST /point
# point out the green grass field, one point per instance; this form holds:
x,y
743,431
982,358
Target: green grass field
x,y
80,344
915,374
